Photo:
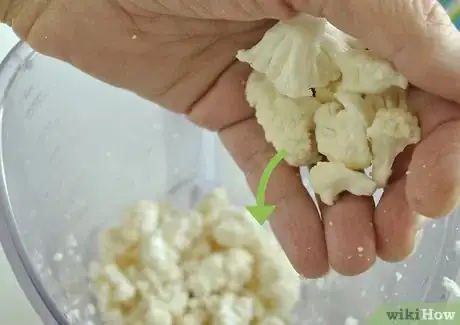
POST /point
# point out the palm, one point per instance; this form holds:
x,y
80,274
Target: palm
x,y
188,65
157,56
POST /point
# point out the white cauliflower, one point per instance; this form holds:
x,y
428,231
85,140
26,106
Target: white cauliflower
x,y
231,221
142,218
287,122
292,57
394,97
356,103
233,310
393,130
320,93
363,73
329,179
341,136
226,270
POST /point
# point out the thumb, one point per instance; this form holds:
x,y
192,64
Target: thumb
x,y
417,36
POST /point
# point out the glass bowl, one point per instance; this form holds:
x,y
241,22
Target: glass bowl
x,y
75,152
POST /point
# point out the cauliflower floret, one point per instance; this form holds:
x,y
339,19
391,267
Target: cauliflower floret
x,y
329,179
292,57
288,123
341,136
355,102
394,97
233,310
392,131
363,73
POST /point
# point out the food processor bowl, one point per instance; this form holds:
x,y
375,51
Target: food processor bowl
x,y
75,152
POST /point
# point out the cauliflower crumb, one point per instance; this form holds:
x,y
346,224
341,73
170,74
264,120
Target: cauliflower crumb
x,y
457,247
451,286
351,321
210,265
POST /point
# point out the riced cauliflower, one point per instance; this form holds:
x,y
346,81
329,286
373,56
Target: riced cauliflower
x,y
211,265
321,96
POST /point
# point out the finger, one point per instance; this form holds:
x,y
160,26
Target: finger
x,y
395,223
433,180
350,234
295,221
417,36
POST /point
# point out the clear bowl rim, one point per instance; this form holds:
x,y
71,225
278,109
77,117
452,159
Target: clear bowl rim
x,y
10,238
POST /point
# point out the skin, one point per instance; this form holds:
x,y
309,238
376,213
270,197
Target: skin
x,y
181,54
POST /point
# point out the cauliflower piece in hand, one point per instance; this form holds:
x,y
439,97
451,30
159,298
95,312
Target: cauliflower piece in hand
x,y
341,136
329,179
292,57
354,102
393,130
288,123
363,73
394,97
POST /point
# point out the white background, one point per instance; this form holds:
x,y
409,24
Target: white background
x,y
14,306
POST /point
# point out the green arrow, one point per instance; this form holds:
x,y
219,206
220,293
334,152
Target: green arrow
x,y
260,211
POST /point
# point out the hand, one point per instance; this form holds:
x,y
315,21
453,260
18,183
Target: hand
x,y
181,54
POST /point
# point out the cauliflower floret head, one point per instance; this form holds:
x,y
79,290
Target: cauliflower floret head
x,y
392,131
356,103
288,123
329,179
393,97
341,136
363,73
292,57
